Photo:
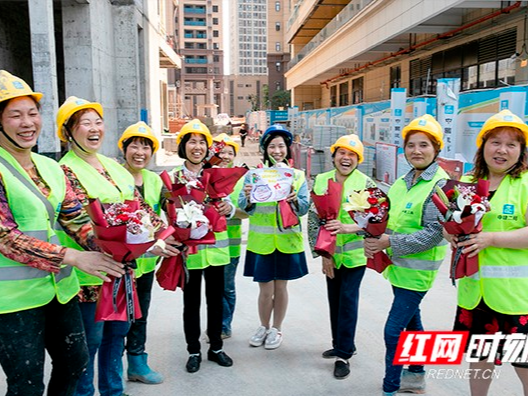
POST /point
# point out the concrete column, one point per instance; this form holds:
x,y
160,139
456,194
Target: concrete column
x,y
45,71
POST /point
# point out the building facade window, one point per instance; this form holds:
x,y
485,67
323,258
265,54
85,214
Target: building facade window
x,y
277,6
343,94
333,96
483,63
395,77
277,26
215,8
216,33
277,46
215,21
357,90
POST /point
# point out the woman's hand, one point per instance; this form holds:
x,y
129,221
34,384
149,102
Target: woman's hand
x,y
375,245
223,208
476,243
452,239
335,227
94,263
167,249
328,267
292,197
247,191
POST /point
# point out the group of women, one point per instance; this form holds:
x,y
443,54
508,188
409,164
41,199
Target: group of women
x,y
51,268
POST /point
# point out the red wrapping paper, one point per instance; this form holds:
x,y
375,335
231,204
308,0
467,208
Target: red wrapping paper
x,y
219,183
288,216
115,302
327,206
461,264
380,261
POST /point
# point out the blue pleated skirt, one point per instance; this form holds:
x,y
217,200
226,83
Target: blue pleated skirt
x,y
275,266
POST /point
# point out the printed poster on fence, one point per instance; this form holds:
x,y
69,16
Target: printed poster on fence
x,y
270,184
386,162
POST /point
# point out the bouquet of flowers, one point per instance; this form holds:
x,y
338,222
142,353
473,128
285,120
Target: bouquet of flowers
x,y
463,205
125,232
369,208
213,156
327,206
191,226
220,183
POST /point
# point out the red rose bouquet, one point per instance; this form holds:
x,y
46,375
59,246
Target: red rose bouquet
x,y
463,205
191,226
125,232
369,208
327,206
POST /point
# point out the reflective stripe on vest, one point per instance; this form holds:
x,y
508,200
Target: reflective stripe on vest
x,y
234,222
218,244
235,241
97,186
413,271
270,230
349,247
502,280
23,287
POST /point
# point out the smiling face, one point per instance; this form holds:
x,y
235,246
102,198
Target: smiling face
x,y
277,149
196,148
21,122
138,153
502,150
419,150
228,155
88,131
345,161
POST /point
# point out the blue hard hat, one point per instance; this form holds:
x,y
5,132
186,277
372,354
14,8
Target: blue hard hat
x,y
272,131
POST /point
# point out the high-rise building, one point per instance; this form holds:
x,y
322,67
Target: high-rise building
x,y
199,34
278,48
248,37
248,58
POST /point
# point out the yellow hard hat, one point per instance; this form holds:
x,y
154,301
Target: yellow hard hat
x,y
195,126
72,105
224,137
139,129
426,124
14,87
505,118
349,142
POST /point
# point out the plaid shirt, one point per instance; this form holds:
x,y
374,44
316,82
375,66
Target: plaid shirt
x,y
431,234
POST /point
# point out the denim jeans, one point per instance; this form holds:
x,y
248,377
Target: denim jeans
x,y
137,335
343,299
192,297
229,299
404,315
24,338
107,338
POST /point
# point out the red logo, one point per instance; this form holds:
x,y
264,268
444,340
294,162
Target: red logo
x,y
431,347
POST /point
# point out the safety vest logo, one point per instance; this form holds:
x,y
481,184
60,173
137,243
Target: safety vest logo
x,y
508,209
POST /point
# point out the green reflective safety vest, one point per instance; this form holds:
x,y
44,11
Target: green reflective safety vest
x,y
21,286
97,186
413,271
265,237
349,247
207,255
502,279
151,194
234,225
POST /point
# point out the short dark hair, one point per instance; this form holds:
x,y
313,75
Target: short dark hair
x,y
138,139
183,142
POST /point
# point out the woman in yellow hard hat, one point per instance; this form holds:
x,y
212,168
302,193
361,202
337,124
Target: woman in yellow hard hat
x,y
194,141
345,269
38,308
93,175
234,232
138,144
415,245
495,300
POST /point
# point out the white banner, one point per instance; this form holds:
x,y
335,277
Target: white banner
x,y
397,120
515,101
447,91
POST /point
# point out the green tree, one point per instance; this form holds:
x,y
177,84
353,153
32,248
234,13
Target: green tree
x,y
281,98
254,100
265,94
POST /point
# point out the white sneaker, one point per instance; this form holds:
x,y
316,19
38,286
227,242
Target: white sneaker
x,y
274,339
259,337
